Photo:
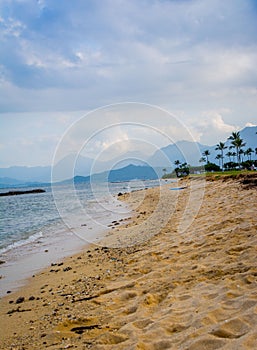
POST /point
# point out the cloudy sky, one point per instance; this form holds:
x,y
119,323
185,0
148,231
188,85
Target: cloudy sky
x,y
59,60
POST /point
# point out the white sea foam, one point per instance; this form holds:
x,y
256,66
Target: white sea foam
x,y
22,242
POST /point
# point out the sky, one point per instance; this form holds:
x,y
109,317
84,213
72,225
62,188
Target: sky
x,y
61,61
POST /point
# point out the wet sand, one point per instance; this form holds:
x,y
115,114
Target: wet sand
x,y
181,274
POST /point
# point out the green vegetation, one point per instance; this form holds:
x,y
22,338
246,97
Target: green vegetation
x,y
220,147
239,160
182,169
229,172
212,167
238,144
206,154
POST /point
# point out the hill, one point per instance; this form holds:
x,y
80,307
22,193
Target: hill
x,y
191,152
71,165
127,173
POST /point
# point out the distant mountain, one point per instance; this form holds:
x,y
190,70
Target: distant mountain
x,y
27,174
185,151
10,181
64,169
68,167
127,173
132,172
123,160
6,182
191,152
71,165
249,135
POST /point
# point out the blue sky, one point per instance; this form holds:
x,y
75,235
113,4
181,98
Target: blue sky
x,y
61,59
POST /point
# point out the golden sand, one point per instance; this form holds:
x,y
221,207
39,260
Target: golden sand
x,y
181,275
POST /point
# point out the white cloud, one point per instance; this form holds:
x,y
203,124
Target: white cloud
x,y
211,128
234,65
189,56
250,124
218,123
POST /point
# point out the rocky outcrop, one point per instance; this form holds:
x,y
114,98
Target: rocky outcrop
x,y
15,193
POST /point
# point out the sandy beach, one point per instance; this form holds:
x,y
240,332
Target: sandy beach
x,y
180,274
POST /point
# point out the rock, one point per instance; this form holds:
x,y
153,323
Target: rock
x,y
15,193
68,268
32,297
20,300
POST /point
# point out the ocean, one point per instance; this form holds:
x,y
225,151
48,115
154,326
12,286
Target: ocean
x,y
38,229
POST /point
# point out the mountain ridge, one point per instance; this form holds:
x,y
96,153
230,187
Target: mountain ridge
x,y
185,151
127,173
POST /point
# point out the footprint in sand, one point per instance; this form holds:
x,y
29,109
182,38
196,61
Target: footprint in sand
x,y
231,329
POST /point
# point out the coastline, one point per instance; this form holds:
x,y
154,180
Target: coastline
x,y
171,289
63,239
32,256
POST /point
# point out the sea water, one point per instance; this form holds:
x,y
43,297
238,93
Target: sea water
x,y
37,229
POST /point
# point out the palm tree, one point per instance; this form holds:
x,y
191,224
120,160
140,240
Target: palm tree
x,y
229,155
203,159
241,154
249,152
233,155
206,154
238,143
221,146
234,135
256,150
182,169
219,157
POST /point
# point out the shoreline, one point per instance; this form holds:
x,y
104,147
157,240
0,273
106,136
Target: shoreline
x,y
171,290
39,254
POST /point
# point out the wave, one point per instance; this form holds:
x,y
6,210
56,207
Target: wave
x,y
22,242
